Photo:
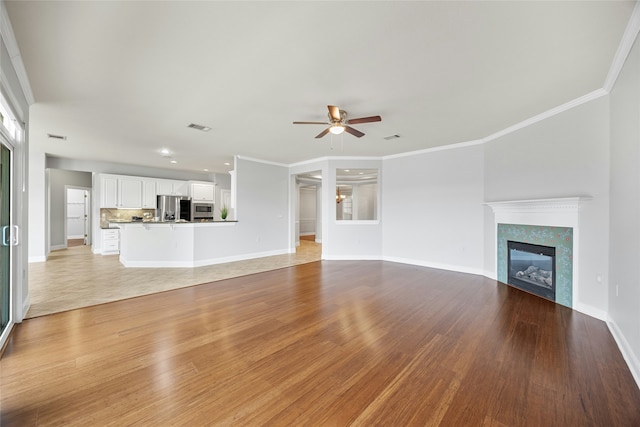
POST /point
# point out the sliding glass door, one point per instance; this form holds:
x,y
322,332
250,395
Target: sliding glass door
x,y
6,242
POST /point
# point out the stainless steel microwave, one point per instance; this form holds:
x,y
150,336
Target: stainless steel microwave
x,y
201,211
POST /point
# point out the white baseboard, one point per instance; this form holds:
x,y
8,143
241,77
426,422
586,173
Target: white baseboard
x,y
352,258
26,305
590,311
39,258
439,266
79,236
58,247
625,349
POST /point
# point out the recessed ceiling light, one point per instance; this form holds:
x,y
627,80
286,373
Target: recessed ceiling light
x,y
347,170
174,161
165,152
206,170
227,164
52,136
199,127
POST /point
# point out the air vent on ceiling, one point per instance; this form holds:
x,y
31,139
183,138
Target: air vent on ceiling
x,y
199,127
52,136
390,137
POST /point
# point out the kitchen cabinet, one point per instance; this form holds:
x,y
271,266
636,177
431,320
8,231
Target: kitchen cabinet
x,y
130,193
134,192
202,191
167,187
120,192
110,241
109,191
149,194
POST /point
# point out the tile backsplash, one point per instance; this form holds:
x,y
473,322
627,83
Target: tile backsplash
x,y
107,215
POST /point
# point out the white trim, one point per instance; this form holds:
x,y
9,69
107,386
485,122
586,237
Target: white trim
x,y
58,247
547,114
267,162
624,48
38,259
433,149
357,221
6,31
26,305
437,265
590,311
353,258
306,162
627,352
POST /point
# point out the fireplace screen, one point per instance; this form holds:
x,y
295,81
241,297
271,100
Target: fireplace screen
x,y
532,268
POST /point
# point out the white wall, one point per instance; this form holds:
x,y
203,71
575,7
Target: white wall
x,y
349,239
432,209
624,289
262,208
562,156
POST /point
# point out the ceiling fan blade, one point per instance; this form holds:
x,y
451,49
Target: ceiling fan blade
x,y
352,131
334,112
323,133
310,123
364,120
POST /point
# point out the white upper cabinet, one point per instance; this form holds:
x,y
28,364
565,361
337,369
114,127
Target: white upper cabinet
x,y
149,194
120,192
202,191
133,192
109,192
130,192
168,187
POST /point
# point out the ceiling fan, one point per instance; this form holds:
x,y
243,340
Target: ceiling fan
x,y
339,123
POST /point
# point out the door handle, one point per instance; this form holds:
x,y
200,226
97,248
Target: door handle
x,y
12,239
16,235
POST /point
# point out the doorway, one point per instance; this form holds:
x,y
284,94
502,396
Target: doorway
x,y
77,204
308,215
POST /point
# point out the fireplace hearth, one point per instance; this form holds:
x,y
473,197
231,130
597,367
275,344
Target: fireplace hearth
x,y
532,268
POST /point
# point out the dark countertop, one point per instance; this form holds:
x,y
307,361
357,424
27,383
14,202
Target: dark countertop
x,y
114,224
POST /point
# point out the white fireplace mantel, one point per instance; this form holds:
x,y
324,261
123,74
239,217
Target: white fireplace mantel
x,y
556,212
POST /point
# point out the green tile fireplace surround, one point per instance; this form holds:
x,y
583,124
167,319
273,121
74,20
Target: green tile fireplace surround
x,y
560,238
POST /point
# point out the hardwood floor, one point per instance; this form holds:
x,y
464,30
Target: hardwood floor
x,y
329,343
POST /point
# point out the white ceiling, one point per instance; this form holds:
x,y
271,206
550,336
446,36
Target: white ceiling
x,y
122,80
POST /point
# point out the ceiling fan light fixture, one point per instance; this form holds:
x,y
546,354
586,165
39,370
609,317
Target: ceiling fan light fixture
x,y
336,129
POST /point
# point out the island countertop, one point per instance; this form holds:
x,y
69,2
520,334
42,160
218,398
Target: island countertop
x,y
176,244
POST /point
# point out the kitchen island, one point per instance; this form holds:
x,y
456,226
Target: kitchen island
x,y
176,244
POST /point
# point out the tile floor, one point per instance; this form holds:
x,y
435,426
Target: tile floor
x,y
75,277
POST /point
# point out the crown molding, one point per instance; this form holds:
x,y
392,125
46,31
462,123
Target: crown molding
x,y
434,149
267,162
6,32
624,48
547,114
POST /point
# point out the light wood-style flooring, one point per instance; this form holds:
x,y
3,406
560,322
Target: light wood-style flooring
x,y
75,277
330,343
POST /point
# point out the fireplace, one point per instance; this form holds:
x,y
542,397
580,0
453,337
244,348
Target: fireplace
x,y
546,222
532,268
